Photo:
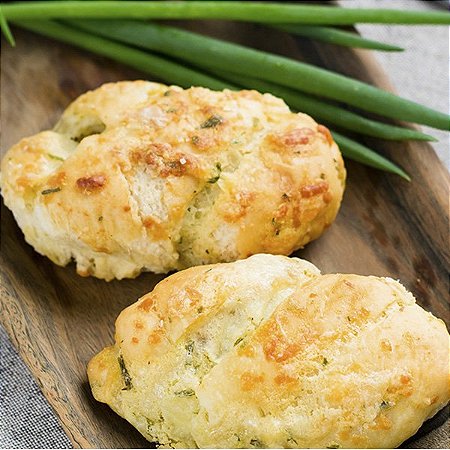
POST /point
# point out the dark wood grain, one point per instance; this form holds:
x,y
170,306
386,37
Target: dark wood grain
x,y
58,320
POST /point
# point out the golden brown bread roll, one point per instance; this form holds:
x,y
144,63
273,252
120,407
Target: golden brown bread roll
x,y
266,352
141,176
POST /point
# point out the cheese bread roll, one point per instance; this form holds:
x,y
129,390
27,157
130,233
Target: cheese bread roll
x,y
139,176
267,352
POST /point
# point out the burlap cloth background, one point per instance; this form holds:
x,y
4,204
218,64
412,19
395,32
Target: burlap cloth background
x,y
421,73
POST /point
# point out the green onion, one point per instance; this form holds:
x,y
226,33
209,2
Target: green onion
x,y
246,11
152,64
221,55
360,153
5,29
337,37
328,112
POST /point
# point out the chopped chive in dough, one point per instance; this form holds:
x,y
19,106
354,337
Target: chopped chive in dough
x,y
212,122
215,178
58,158
276,226
125,375
189,347
238,340
50,191
185,393
325,361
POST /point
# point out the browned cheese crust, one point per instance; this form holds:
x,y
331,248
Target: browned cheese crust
x,y
266,352
141,176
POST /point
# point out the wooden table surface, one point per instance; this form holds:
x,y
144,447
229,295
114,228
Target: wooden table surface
x,y
58,320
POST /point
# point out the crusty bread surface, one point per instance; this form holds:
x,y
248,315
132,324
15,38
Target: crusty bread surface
x,y
267,352
139,176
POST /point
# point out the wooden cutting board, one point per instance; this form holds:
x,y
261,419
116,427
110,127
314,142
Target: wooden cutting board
x,y
58,320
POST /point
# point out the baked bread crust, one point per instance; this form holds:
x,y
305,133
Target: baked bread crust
x,y
267,352
140,176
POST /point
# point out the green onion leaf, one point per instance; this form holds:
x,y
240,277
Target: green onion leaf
x,y
225,10
360,153
337,37
5,29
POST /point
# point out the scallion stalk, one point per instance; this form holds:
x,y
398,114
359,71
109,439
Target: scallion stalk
x,y
226,10
336,36
360,153
5,29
